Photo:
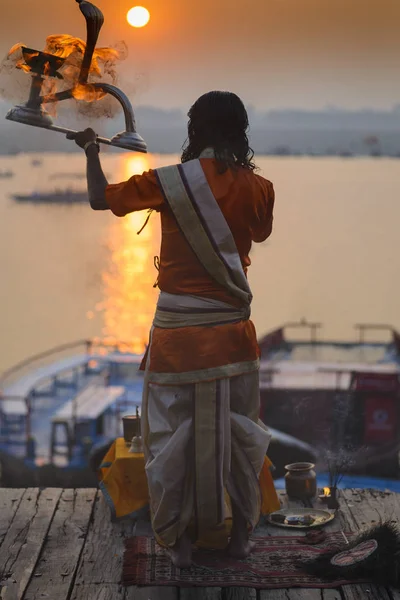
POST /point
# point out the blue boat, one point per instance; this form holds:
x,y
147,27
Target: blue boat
x,y
61,410
57,407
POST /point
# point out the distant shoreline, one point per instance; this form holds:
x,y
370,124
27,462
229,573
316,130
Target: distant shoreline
x,y
5,154
331,132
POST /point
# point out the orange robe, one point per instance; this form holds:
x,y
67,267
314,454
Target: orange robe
x,y
246,201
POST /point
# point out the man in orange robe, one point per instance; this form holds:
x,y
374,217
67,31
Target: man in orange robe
x,y
204,444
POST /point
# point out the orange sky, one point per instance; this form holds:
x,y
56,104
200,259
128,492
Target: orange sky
x,y
274,53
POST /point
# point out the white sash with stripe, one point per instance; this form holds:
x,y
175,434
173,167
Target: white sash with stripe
x,y
203,224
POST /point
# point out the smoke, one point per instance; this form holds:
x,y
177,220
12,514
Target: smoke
x,y
14,83
88,103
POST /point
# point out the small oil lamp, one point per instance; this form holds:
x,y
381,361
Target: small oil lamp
x,y
42,65
329,496
326,493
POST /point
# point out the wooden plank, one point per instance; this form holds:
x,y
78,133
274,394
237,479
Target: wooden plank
x,y
58,562
152,593
345,520
9,501
207,593
274,594
239,593
359,509
24,539
300,594
102,556
91,591
370,507
143,528
364,591
296,593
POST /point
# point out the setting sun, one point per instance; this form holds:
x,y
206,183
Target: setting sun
x,y
138,16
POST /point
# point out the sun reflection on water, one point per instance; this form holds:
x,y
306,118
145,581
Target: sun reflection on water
x,y
129,295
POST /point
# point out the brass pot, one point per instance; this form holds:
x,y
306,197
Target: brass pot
x,y
301,480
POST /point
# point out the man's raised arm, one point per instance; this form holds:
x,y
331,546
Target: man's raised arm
x,y
96,180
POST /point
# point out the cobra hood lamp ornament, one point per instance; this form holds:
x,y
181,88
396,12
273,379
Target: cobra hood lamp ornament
x,y
42,65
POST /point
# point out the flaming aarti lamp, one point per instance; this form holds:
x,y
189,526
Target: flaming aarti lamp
x,y
42,65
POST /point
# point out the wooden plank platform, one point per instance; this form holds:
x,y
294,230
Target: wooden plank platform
x,y
60,544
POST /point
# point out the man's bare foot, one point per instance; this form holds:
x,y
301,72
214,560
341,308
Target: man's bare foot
x,y
240,548
181,553
239,545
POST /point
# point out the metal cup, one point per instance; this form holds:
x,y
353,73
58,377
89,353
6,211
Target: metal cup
x,y
131,427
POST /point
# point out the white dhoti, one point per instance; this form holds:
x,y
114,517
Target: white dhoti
x,y
201,432
200,440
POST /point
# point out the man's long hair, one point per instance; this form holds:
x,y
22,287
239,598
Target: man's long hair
x,y
219,120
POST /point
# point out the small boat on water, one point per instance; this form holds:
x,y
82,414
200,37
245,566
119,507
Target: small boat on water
x,y
58,406
72,176
336,394
68,176
61,410
56,197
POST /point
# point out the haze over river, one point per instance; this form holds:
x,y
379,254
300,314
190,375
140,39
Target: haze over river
x,y
69,273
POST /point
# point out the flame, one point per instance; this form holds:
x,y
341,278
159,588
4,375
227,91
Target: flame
x,y
129,295
87,92
327,491
21,64
24,67
14,49
46,68
72,49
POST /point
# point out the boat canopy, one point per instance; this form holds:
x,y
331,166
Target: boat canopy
x,y
90,403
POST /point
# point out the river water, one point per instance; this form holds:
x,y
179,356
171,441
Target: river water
x,y
69,273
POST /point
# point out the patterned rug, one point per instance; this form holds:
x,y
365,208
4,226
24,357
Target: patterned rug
x,y
271,565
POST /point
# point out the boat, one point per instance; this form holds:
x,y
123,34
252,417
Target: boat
x,y
336,395
59,406
73,176
68,176
61,410
55,197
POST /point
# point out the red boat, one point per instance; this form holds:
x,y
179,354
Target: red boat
x,y
335,394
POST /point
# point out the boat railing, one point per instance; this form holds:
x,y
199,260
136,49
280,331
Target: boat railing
x,y
23,411
364,327
40,359
304,324
95,347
